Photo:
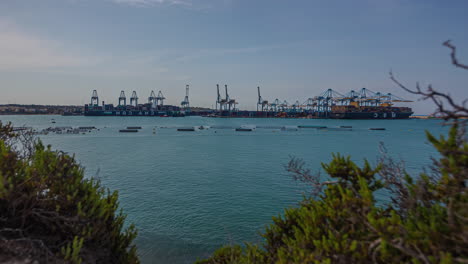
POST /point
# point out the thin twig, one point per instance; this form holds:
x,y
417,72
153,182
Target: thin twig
x,y
454,56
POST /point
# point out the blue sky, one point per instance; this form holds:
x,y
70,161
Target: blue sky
x,y
58,51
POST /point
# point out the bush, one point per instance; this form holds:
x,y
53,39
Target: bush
x,y
345,224
49,212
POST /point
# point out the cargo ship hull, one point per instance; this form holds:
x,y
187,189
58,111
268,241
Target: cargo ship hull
x,y
131,113
369,112
367,115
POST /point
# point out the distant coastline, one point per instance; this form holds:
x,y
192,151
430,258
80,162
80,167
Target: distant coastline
x,y
66,110
32,109
424,117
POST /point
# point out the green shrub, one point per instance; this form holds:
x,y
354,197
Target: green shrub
x,y
346,224
49,211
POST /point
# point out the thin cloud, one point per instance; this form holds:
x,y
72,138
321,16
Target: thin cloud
x,y
197,5
21,50
217,52
204,53
143,3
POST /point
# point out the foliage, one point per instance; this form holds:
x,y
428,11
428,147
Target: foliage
x,y
346,224
47,207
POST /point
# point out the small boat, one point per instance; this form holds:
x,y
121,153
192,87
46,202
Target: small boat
x,y
186,129
128,130
307,126
246,128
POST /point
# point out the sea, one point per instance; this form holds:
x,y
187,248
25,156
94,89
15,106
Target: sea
x,y
191,192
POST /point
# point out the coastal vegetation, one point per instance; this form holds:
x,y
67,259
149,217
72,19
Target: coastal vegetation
x,y
426,222
51,213
345,218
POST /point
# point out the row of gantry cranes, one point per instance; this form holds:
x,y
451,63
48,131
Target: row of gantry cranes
x,y
321,103
329,98
155,101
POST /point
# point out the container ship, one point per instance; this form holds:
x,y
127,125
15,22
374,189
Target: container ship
x,y
368,105
369,112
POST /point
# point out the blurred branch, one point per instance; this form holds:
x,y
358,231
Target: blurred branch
x,y
393,174
454,56
446,106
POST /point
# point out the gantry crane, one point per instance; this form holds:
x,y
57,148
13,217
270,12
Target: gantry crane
x,y
231,103
134,99
185,103
94,99
309,104
388,99
122,98
152,99
284,106
160,99
275,105
220,101
261,103
296,107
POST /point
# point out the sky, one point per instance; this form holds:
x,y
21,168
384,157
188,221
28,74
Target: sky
x,y
58,51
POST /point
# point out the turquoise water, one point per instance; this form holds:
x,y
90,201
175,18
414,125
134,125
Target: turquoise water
x,y
191,192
